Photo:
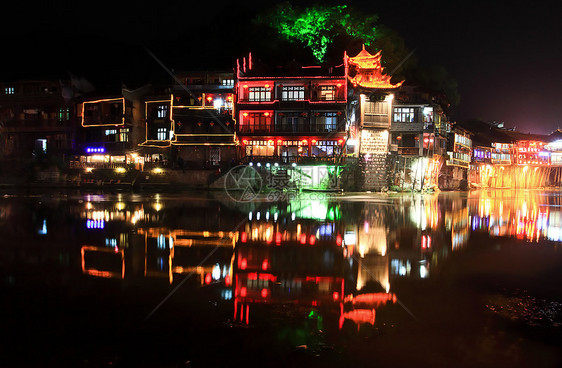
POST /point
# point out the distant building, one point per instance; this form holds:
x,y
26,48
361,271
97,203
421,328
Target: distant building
x,y
459,151
35,119
418,138
106,128
191,123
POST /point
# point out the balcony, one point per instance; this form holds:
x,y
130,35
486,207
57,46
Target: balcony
x,y
407,127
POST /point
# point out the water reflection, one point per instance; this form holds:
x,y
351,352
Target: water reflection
x,y
335,262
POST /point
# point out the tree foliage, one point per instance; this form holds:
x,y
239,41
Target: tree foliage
x,y
317,27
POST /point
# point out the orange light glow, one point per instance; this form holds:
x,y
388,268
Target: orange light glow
x,y
340,141
270,142
279,141
304,141
303,239
314,141
264,293
245,141
245,86
265,264
312,240
245,114
370,71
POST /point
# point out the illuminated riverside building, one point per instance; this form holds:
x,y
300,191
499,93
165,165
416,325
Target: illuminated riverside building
x,y
106,132
522,164
371,105
190,125
294,114
418,139
459,153
531,153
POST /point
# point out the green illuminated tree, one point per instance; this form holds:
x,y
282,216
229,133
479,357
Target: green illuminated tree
x,y
317,27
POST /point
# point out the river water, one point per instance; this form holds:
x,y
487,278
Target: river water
x,y
197,279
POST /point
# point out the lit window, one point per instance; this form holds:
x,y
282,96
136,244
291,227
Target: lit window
x,y
259,122
162,134
9,90
328,93
64,114
292,93
404,115
228,82
330,122
259,94
110,131
162,111
124,135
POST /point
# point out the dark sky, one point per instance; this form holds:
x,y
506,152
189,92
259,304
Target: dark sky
x,y
506,56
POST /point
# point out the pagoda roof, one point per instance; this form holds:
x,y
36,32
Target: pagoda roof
x,y
370,72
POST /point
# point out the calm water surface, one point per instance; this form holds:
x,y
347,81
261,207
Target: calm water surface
x,y
199,280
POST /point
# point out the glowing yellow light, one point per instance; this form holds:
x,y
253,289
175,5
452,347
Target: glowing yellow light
x,y
120,170
157,170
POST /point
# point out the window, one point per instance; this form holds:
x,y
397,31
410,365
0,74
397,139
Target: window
x,y
40,146
326,148
162,134
256,122
64,114
162,111
428,114
259,148
124,135
287,122
328,93
9,90
404,115
331,121
259,94
292,93
325,122
461,139
110,131
228,82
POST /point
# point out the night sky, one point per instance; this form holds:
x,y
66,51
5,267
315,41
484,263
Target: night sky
x,y
505,56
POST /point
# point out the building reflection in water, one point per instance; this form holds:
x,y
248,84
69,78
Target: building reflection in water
x,y
335,259
525,215
302,254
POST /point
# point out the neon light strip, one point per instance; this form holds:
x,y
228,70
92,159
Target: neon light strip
x,y
204,135
199,144
98,101
157,101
